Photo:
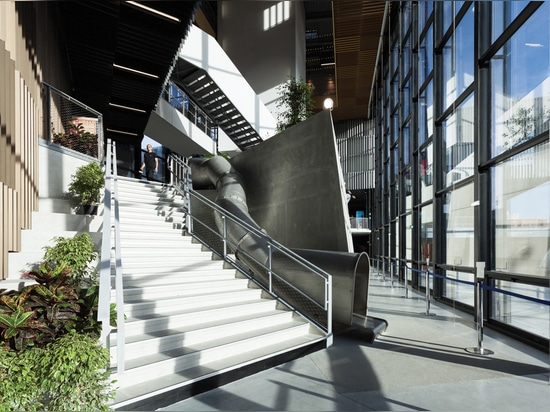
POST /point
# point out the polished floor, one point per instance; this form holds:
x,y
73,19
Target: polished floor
x,y
422,362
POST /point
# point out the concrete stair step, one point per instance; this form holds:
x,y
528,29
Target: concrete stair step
x,y
152,392
155,269
32,240
211,313
60,222
245,345
145,309
172,279
183,289
199,334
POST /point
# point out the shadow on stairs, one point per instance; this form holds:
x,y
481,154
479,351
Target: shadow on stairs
x,y
192,323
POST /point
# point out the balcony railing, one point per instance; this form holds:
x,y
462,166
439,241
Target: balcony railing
x,y
182,103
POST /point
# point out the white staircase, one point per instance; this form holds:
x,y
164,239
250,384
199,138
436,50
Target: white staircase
x,y
192,321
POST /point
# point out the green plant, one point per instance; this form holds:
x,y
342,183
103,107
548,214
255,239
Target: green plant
x,y
77,253
77,138
41,313
19,384
86,184
67,374
295,101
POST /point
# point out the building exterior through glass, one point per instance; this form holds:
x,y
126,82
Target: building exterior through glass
x,y
462,156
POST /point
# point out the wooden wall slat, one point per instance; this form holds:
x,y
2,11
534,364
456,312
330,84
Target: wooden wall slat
x,y
20,123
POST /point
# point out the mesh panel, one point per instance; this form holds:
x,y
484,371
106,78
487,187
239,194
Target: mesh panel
x,y
75,126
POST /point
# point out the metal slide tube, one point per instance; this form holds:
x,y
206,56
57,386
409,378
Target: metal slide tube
x,y
350,271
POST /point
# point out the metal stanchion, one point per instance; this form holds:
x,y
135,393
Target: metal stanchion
x,y
406,281
427,313
391,274
480,275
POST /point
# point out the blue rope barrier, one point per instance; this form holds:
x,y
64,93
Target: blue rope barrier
x,y
466,282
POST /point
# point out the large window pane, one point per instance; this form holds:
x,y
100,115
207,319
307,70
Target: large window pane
x,y
459,214
425,9
406,144
426,173
455,289
450,9
426,232
521,84
521,209
425,57
408,236
504,12
520,312
425,114
458,135
458,59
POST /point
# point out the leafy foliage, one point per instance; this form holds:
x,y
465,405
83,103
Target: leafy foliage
x,y
295,101
50,358
68,374
77,138
86,184
42,312
77,253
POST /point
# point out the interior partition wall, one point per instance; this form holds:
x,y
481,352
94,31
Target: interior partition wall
x,y
463,157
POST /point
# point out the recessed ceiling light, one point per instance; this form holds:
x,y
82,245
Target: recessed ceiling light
x,y
128,69
119,106
121,132
154,11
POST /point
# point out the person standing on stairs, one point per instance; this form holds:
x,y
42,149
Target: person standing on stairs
x,y
150,163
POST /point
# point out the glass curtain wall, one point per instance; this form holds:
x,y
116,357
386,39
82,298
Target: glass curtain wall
x,y
464,156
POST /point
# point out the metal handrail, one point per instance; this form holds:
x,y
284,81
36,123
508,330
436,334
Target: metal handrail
x,y
110,245
272,269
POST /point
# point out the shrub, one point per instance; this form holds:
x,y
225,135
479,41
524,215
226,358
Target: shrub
x,y
86,184
43,312
68,374
77,253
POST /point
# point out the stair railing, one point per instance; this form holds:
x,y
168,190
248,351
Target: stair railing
x,y
287,276
110,247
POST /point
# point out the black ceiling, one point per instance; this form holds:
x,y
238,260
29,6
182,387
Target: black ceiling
x,y
101,34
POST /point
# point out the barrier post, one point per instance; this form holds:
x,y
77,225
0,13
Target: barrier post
x,y
391,274
406,281
427,313
480,275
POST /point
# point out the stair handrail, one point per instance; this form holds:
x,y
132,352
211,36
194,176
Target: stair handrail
x,y
180,179
110,245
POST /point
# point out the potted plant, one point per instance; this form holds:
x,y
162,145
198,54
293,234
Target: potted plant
x,y
85,187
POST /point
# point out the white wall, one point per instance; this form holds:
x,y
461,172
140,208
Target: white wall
x,y
56,167
266,41
203,51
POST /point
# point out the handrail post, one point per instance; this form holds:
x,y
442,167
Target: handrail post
x,y
270,267
224,220
104,298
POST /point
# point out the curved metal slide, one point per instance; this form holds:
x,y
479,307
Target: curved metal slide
x,y
350,271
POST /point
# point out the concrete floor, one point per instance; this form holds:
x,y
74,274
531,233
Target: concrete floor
x,y
419,363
